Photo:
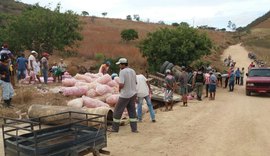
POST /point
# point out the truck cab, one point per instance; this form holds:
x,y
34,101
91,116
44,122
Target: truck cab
x,y
258,80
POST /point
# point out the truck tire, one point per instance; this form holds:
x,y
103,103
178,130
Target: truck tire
x,y
248,93
163,67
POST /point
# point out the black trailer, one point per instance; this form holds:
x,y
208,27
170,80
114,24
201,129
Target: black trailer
x,y
78,134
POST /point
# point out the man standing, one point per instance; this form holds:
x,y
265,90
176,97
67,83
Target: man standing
x,y
33,67
198,82
231,81
170,83
242,73
207,82
22,66
63,68
183,82
45,66
212,85
127,88
143,92
7,89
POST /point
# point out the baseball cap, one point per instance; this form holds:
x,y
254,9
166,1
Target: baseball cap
x,y
108,63
45,54
122,60
34,52
168,71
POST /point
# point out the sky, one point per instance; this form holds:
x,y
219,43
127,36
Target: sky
x,y
214,13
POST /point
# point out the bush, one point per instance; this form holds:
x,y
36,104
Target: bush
x,y
129,34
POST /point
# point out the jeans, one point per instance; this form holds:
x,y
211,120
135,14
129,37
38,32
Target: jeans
x,y
45,75
150,107
21,74
241,80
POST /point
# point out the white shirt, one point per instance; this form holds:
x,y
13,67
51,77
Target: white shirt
x,y
127,77
34,62
142,87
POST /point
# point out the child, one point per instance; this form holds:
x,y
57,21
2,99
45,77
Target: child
x,y
56,72
170,86
7,88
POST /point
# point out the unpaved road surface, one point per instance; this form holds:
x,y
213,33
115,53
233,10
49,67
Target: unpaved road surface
x,y
231,125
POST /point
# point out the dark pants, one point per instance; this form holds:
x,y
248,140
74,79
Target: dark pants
x,y
123,103
241,81
226,82
45,75
206,89
237,80
231,86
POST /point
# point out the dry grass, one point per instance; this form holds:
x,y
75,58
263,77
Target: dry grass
x,y
27,95
259,42
103,37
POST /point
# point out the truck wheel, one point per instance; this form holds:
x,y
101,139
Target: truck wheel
x,y
248,93
163,67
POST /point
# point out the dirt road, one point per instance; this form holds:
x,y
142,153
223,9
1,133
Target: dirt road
x,y
232,125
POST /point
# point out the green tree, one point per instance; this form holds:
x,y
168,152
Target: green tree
x,y
85,13
181,45
129,17
175,24
129,34
104,14
42,29
184,24
136,17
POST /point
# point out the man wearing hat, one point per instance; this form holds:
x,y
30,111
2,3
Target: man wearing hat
x,y
170,83
33,67
45,66
128,94
7,88
183,82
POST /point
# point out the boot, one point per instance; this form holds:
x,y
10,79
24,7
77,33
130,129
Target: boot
x,y
6,103
9,103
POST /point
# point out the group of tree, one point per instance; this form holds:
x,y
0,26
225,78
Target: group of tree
x,y
180,45
136,17
41,29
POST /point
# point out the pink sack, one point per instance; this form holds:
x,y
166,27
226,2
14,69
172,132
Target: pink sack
x,y
76,103
102,89
104,79
69,82
112,100
91,93
93,103
112,83
102,97
117,79
83,77
74,91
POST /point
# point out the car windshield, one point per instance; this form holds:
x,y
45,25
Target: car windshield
x,y
260,72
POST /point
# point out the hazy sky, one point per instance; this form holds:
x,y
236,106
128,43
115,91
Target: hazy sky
x,y
215,13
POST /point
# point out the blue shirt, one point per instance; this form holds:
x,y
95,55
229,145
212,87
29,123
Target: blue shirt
x,y
237,73
21,61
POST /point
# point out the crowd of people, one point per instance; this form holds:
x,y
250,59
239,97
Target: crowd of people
x,y
21,68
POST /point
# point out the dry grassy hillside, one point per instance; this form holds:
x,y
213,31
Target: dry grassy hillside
x,y
102,36
258,41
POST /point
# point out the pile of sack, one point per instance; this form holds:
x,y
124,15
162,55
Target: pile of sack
x,y
92,90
